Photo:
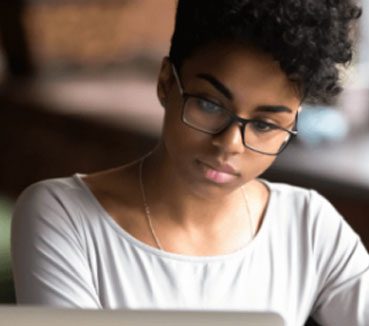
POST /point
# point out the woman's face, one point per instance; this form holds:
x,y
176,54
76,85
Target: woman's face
x,y
241,79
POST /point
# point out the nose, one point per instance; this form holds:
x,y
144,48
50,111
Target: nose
x,y
230,140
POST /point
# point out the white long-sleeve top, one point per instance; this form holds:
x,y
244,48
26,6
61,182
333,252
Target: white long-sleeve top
x,y
305,260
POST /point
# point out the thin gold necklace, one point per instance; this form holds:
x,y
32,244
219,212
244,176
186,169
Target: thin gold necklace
x,y
148,212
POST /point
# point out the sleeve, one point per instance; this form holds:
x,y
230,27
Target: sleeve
x,y
48,257
342,265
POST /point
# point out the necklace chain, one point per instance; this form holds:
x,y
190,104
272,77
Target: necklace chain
x,y
148,212
147,208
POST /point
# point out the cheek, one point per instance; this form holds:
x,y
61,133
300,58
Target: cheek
x,y
256,164
181,140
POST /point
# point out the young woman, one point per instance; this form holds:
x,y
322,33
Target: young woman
x,y
190,225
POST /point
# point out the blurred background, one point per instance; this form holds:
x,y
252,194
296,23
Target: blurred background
x,y
78,94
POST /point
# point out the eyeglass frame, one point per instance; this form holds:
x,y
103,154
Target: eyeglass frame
x,y
242,122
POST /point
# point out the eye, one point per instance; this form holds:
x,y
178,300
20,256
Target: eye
x,y
262,126
207,106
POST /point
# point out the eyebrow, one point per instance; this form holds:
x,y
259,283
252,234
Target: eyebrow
x,y
228,94
273,109
216,84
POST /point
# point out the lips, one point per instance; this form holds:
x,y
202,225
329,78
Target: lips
x,y
219,173
225,168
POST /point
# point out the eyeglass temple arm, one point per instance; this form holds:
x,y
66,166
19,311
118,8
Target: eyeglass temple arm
x,y
179,83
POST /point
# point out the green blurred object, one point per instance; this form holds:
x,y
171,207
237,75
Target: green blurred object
x,y
6,282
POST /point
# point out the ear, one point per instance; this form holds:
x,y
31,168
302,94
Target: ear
x,y
165,80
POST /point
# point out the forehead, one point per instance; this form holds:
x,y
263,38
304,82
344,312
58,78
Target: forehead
x,y
251,74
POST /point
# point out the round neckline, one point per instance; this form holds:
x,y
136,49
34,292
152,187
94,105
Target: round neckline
x,y
78,177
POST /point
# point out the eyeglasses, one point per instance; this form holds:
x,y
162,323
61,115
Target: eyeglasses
x,y
204,115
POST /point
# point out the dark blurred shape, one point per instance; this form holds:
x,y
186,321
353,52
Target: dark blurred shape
x,y
15,44
7,293
36,144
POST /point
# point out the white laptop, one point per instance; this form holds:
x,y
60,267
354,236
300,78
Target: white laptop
x,y
42,316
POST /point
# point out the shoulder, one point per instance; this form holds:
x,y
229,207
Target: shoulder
x,y
323,229
311,215
50,245
301,201
53,192
51,187
310,206
54,202
288,190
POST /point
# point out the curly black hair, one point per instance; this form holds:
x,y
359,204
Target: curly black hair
x,y
310,39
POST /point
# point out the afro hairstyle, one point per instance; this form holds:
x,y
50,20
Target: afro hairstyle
x,y
311,39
